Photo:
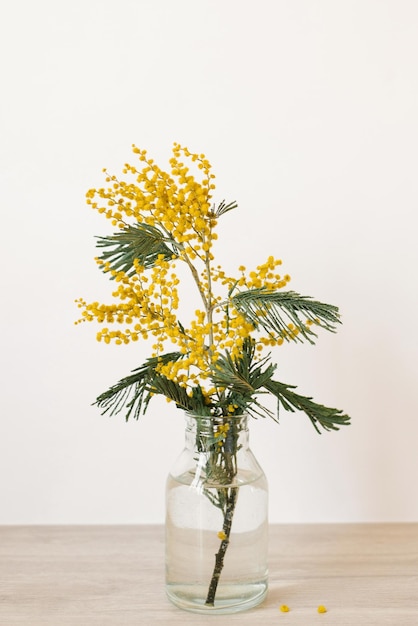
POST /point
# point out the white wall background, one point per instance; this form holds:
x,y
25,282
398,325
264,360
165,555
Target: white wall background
x,y
308,112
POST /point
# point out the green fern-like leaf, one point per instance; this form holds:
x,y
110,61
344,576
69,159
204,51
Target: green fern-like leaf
x,y
224,208
320,415
274,310
142,242
194,403
243,378
134,392
244,375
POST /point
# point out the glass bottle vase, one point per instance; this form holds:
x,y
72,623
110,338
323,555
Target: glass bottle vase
x,y
216,519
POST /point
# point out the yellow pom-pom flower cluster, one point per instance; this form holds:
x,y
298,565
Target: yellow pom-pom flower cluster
x,y
178,204
175,201
144,308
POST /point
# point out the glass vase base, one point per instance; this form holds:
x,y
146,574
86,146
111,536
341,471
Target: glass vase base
x,y
229,598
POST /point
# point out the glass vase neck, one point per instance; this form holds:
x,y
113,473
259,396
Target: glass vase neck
x,y
206,431
210,422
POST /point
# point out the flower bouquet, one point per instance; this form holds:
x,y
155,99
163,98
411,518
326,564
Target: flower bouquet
x,y
212,359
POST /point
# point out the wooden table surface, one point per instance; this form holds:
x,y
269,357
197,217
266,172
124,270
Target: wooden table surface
x,y
365,574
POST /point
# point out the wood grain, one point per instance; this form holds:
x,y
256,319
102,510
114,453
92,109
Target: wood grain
x,y
365,574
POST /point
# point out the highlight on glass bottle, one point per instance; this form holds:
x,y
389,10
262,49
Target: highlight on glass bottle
x,y
216,519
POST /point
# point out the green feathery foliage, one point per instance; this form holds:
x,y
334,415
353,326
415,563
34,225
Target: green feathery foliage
x,y
194,403
224,208
141,242
274,310
245,378
133,392
242,379
320,415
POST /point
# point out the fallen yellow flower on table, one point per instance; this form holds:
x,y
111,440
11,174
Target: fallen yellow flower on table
x,y
284,608
322,609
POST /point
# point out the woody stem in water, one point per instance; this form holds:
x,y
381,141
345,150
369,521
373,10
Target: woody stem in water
x,y
219,556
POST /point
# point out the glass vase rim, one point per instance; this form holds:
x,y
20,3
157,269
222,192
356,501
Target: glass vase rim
x,y
217,418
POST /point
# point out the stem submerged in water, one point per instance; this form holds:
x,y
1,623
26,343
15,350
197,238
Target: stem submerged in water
x,y
219,556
